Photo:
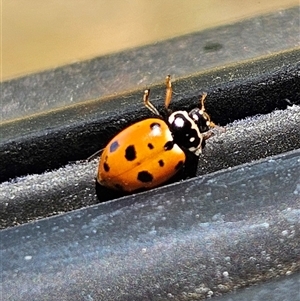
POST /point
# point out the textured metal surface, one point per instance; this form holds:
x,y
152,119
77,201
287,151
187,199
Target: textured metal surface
x,y
52,140
198,238
73,186
202,237
283,289
144,66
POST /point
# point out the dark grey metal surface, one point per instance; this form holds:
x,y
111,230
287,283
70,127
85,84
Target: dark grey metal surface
x,y
202,237
73,186
138,68
198,238
283,289
51,140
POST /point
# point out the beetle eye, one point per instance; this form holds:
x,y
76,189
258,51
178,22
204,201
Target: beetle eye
x,y
201,119
195,117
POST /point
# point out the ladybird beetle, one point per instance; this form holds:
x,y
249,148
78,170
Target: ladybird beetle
x,y
150,152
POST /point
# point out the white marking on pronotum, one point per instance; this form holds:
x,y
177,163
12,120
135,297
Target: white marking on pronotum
x,y
197,150
179,122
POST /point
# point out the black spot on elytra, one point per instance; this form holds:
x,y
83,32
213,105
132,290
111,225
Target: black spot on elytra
x,y
145,176
130,153
154,125
161,163
179,165
114,146
150,145
169,145
106,167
